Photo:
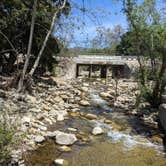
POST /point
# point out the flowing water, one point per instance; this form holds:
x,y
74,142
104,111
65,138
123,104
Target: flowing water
x,y
129,146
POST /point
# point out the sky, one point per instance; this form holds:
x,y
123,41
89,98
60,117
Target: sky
x,y
107,13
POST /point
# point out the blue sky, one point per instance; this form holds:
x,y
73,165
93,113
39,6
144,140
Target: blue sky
x,y
106,13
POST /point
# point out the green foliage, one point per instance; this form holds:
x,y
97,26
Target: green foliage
x,y
146,94
15,20
146,38
5,139
126,45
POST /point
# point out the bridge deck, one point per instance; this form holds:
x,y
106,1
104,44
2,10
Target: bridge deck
x,y
103,59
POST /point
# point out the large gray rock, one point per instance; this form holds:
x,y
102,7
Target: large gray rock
x,y
65,139
162,115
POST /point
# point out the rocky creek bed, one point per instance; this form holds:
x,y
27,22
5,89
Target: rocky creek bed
x,y
80,123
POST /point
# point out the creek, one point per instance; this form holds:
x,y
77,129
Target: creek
x,y
129,145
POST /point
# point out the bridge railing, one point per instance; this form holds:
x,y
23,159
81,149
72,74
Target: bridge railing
x,y
106,57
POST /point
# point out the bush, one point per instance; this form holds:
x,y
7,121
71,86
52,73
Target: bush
x,y
6,135
146,94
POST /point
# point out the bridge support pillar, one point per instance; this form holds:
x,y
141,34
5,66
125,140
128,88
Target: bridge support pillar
x,y
103,72
77,70
90,71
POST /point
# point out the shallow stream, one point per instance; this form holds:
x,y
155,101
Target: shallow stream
x,y
128,146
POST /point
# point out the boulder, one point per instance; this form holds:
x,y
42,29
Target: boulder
x,y
97,131
65,139
39,139
84,103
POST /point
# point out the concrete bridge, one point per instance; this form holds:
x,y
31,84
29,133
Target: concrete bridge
x,y
120,66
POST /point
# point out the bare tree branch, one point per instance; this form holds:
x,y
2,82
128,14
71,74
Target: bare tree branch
x,y
46,38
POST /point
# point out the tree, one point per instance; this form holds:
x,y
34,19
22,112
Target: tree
x,y
20,84
126,46
15,25
107,39
148,40
57,13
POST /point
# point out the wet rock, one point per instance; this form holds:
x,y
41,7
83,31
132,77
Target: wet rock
x,y
97,131
116,127
157,139
74,114
91,116
64,149
39,139
65,139
142,140
108,121
84,103
60,162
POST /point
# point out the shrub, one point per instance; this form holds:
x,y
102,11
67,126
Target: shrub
x,y
146,94
6,135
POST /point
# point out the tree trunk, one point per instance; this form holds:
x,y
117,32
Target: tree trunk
x,y
46,39
21,81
